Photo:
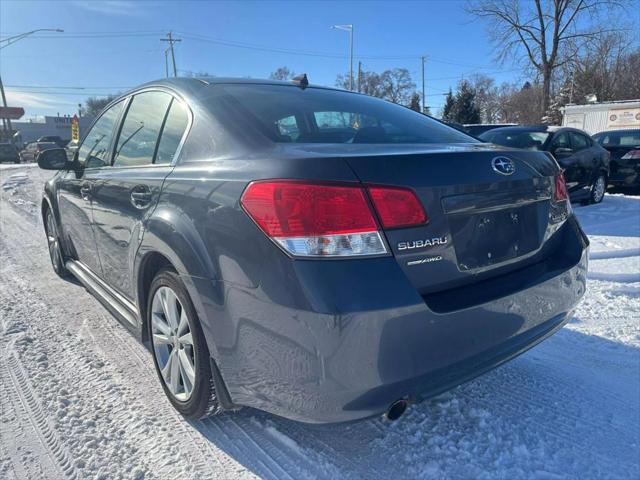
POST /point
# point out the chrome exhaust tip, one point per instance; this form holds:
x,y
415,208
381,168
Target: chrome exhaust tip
x,y
396,409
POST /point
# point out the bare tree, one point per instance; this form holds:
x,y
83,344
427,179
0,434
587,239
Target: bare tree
x,y
94,105
397,85
370,83
608,68
487,98
546,34
394,85
282,73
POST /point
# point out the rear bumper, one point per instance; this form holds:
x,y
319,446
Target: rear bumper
x,y
336,343
625,174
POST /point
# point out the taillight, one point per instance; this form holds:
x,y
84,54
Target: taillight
x,y
560,192
632,155
308,219
397,207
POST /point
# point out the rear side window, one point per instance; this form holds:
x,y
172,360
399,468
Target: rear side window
x,y
517,139
619,139
580,142
172,132
561,141
141,129
94,151
288,129
286,113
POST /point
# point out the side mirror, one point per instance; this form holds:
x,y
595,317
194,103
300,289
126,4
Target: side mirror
x,y
53,159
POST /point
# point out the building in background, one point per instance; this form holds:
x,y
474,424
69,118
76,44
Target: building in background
x,y
34,128
598,117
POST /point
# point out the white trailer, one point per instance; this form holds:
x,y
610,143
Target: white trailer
x,y
597,117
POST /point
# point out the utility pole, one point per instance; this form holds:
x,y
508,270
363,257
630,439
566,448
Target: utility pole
x,y
166,63
351,58
6,123
171,41
359,77
423,97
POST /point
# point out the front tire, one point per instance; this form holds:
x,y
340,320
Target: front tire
x,y
179,349
598,189
53,242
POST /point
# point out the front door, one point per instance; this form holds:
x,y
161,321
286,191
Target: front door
x,y
75,189
126,193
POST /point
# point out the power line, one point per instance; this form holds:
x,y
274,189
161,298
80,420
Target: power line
x,y
77,94
258,47
69,87
263,48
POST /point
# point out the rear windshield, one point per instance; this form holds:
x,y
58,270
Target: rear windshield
x,y
516,138
289,114
7,149
630,138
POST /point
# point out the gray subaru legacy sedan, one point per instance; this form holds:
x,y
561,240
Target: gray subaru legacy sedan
x,y
318,254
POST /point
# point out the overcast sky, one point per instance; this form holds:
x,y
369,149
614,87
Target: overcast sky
x,y
111,46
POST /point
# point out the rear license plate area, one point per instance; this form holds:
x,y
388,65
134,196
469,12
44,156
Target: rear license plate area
x,y
488,238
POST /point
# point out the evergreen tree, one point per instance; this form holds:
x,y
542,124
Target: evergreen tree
x,y
466,110
448,111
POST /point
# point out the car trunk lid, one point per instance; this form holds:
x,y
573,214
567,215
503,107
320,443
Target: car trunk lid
x,y
480,221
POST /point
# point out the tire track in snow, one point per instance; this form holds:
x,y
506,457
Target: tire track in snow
x,y
19,388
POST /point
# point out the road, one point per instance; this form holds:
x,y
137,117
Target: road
x,y
79,397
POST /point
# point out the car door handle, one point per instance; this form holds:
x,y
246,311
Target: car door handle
x,y
141,196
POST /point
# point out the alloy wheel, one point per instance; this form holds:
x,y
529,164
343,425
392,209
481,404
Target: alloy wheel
x,y
173,343
52,241
599,189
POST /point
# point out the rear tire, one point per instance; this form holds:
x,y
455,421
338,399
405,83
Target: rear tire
x,y
598,189
53,242
179,349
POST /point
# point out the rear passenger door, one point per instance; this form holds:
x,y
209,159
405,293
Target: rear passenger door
x,y
567,158
586,158
127,192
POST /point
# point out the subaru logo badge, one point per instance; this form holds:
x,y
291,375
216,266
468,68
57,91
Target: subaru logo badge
x,y
503,166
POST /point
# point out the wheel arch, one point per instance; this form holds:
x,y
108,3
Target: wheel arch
x,y
150,265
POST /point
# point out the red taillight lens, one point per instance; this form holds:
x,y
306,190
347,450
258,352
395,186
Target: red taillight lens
x,y
314,220
560,193
632,155
288,209
397,207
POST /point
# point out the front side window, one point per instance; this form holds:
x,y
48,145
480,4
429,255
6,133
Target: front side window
x,y
141,129
325,116
172,132
94,151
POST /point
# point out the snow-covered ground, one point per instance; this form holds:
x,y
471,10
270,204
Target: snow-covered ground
x,y
79,397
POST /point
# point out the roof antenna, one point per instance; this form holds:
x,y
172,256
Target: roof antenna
x,y
301,80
